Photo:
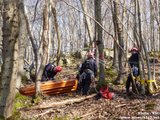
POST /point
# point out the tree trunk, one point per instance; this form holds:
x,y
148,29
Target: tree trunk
x,y
153,40
159,21
10,57
150,85
22,45
141,60
142,41
34,46
57,31
1,25
151,25
115,58
45,44
99,41
88,24
121,74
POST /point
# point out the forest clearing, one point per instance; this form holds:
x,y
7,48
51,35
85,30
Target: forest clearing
x,y
79,59
121,108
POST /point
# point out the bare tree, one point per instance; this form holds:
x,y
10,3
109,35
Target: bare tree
x,y
33,42
115,58
10,57
53,4
99,41
87,22
159,24
1,24
22,45
45,44
121,74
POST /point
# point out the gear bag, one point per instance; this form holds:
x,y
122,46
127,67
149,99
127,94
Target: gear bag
x,y
87,74
88,64
135,71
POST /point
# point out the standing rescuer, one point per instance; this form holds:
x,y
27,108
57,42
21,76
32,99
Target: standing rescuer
x,y
134,64
50,71
87,73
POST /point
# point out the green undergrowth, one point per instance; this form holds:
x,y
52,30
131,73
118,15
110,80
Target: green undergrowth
x,y
110,78
156,54
150,106
64,118
111,74
21,102
61,118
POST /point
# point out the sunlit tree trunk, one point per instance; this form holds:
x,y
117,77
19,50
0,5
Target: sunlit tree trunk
x,y
139,45
33,43
115,58
45,44
53,5
10,57
142,41
87,21
121,74
22,45
151,25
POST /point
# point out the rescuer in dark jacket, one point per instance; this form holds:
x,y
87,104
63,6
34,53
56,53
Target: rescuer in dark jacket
x,y
50,71
87,72
134,64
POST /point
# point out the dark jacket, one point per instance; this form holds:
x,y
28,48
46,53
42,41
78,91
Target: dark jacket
x,y
48,73
92,66
134,60
134,63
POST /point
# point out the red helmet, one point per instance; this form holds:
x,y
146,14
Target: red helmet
x,y
58,68
134,49
90,55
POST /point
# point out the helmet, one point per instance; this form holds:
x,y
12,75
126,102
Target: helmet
x,y
134,49
90,55
58,68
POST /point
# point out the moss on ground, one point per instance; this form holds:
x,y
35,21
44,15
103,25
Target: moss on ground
x,y
150,106
21,101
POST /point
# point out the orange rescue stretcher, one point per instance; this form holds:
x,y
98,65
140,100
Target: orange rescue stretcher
x,y
51,87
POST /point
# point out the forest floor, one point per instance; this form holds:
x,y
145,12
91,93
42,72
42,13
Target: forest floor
x,y
123,107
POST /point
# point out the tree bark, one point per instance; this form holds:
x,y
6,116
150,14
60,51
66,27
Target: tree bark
x,y
137,41
121,74
34,46
22,45
159,24
88,24
45,44
1,25
53,4
10,57
99,41
115,47
142,41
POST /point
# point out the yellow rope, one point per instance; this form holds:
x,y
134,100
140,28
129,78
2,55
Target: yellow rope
x,y
138,79
149,81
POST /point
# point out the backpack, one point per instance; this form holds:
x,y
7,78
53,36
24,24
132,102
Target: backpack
x,y
87,74
135,71
49,67
88,64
